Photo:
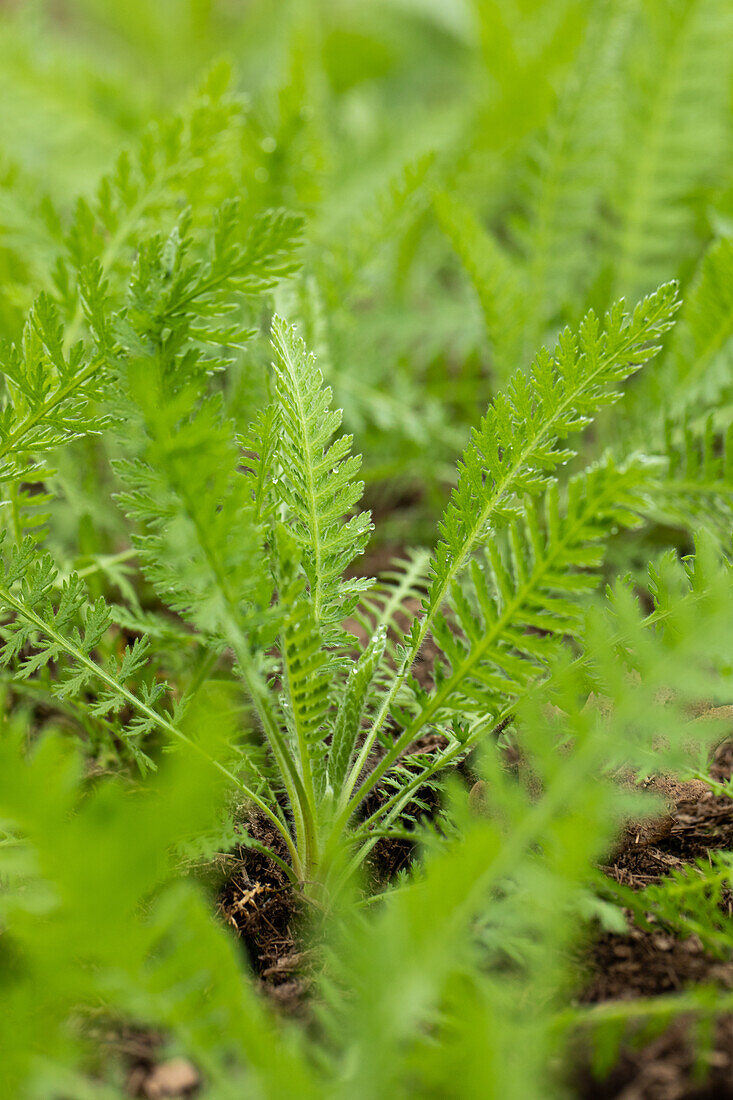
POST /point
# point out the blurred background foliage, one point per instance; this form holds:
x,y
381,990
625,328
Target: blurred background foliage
x,y
586,147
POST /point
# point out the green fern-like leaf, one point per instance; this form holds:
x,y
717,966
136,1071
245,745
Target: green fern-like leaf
x,y
351,709
203,544
564,179
50,394
697,491
702,349
187,159
392,601
516,444
691,901
497,279
515,449
317,482
678,55
305,671
47,622
523,597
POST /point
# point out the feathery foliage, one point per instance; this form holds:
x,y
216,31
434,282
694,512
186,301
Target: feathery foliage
x,y
670,147
245,331
317,481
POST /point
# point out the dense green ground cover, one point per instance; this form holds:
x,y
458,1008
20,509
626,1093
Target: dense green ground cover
x,y
488,246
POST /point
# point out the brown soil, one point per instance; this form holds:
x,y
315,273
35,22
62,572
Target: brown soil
x,y
176,1077
644,963
670,1067
260,903
391,855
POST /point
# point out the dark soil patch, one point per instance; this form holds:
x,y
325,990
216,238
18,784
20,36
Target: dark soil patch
x,y
671,1067
260,903
268,915
141,1054
391,855
644,963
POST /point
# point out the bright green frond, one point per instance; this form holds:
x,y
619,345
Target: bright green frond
x,y
702,351
517,444
523,597
675,81
498,280
317,481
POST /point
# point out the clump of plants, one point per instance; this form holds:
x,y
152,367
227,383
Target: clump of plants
x,y
197,663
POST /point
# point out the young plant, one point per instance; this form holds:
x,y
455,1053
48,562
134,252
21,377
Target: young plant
x,y
252,539
504,584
